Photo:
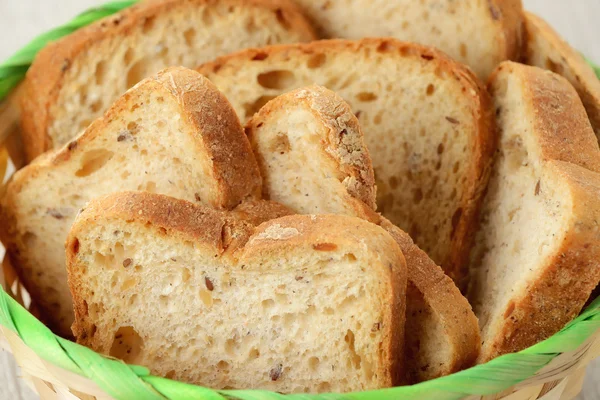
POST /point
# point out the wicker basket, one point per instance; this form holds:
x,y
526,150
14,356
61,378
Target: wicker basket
x,y
59,369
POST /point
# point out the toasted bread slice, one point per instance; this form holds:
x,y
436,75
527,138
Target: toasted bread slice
x,y
546,49
537,255
174,133
317,124
427,122
75,79
492,34
329,318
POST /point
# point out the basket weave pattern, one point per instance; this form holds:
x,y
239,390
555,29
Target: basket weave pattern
x,y
61,370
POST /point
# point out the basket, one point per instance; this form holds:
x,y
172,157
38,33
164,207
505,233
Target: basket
x,y
59,369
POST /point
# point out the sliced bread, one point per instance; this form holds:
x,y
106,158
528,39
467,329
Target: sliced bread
x,y
312,156
75,79
546,49
174,133
427,122
308,304
537,254
478,33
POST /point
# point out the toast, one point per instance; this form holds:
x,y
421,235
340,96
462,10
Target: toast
x,y
536,258
493,32
75,79
546,49
314,122
329,318
174,133
427,119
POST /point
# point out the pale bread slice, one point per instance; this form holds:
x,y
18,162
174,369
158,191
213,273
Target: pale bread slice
x,y
537,255
546,49
174,133
312,157
75,79
427,121
302,304
478,33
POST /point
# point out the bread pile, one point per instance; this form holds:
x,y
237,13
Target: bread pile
x,y
337,215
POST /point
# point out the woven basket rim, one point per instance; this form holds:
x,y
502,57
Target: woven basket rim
x,y
123,381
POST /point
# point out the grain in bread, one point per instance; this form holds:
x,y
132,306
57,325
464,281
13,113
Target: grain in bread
x,y
75,79
536,258
478,33
427,121
173,133
312,157
546,49
302,304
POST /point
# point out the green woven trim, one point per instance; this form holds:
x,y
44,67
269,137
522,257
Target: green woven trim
x,y
12,71
125,382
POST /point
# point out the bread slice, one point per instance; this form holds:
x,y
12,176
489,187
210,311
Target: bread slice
x,y
546,49
174,133
537,255
427,122
478,33
312,156
222,314
75,79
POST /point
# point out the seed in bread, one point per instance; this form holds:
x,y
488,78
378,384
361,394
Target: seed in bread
x,y
537,253
173,133
75,79
308,304
546,49
478,33
427,121
315,122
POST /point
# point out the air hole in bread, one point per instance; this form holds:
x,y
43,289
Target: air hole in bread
x,y
133,300
378,118
127,344
136,72
223,365
85,123
96,106
189,35
282,18
277,79
456,167
430,89
366,97
231,346
128,56
384,47
417,195
100,72
252,108
148,24
328,311
281,298
463,50
313,363
254,354
280,144
206,297
267,304
316,61
555,67
125,174
128,284
355,359
92,161
170,374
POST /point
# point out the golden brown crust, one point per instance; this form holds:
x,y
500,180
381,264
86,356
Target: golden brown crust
x,y
483,144
439,292
562,128
562,287
509,14
257,211
546,49
344,143
46,75
310,231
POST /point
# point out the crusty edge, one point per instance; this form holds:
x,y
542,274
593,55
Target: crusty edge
x,y
344,143
345,233
441,294
564,284
485,143
580,74
46,75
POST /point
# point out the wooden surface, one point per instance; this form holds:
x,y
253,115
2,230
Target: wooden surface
x,y
21,20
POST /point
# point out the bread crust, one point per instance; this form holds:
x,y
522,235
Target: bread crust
x,y
484,143
218,133
541,41
248,245
50,69
343,144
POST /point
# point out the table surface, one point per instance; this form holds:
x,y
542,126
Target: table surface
x,y
573,19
